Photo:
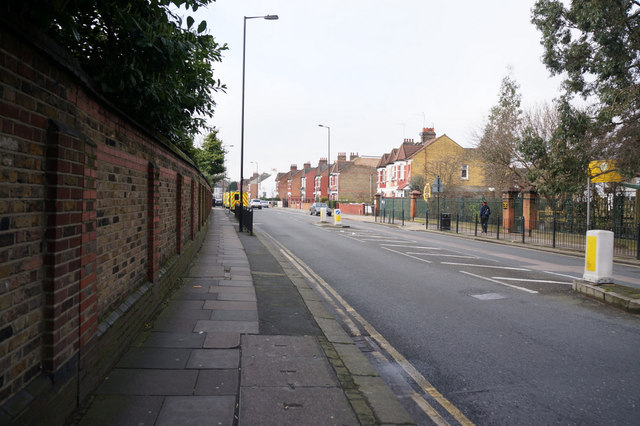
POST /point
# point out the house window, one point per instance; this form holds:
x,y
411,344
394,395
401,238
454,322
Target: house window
x,y
464,172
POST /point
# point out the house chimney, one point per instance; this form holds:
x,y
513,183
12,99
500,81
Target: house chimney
x,y
322,162
294,167
307,165
427,134
342,156
353,156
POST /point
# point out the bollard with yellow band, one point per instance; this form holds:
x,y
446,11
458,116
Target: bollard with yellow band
x,y
598,265
337,221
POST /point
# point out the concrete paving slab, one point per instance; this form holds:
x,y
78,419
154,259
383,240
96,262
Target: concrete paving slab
x,y
282,347
354,360
174,313
234,316
230,305
222,340
237,296
187,304
207,326
231,289
385,405
300,406
200,281
191,288
149,357
197,410
175,340
198,296
124,381
174,325
237,283
214,358
119,410
296,372
218,382
202,269
333,330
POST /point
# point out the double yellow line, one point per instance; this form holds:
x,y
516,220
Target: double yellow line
x,y
346,312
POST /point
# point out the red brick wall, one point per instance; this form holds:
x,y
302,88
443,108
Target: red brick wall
x,y
97,219
348,208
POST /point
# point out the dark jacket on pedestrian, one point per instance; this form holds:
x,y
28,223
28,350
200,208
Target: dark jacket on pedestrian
x,y
485,211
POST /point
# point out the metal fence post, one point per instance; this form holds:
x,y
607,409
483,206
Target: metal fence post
x,y
522,229
426,219
498,229
403,216
553,239
476,232
638,242
457,221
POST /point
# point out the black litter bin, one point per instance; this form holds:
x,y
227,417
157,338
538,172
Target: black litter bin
x,y
445,221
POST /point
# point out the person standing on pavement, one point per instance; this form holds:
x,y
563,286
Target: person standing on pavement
x,y
485,212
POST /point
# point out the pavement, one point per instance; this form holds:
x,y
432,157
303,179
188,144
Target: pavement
x,y
244,340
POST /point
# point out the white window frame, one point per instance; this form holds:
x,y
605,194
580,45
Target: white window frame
x,y
464,172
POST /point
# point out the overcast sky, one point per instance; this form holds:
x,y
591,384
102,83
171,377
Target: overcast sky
x,y
375,71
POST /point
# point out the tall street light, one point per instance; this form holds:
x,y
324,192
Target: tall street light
x,y
244,45
328,162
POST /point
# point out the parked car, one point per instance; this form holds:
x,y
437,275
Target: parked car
x,y
265,204
255,203
217,201
315,209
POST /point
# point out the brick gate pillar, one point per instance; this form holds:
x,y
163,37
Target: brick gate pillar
x,y
412,208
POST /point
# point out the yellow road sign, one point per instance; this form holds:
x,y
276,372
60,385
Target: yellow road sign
x,y
604,171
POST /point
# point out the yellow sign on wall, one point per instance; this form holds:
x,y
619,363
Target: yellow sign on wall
x,y
604,171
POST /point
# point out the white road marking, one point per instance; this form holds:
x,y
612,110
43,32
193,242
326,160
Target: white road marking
x,y
489,296
412,246
501,283
562,275
388,241
442,255
532,281
405,254
510,268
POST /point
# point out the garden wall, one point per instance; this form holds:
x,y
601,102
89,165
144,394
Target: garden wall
x,y
98,219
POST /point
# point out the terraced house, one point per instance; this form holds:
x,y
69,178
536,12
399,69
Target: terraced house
x,y
460,169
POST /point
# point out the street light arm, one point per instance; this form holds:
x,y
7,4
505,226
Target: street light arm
x,y
267,17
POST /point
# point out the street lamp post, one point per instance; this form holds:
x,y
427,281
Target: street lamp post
x,y
244,45
328,162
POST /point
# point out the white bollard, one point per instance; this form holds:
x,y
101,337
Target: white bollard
x,y
323,214
598,265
